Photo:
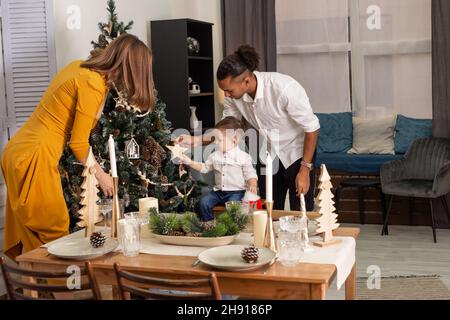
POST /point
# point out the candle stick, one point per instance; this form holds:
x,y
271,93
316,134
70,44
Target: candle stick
x,y
112,156
302,205
269,179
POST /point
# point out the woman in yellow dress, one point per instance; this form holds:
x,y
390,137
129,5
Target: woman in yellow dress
x,y
36,212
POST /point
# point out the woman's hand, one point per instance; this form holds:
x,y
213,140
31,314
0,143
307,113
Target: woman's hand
x,y
105,182
189,141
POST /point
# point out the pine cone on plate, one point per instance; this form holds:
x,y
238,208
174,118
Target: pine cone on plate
x,y
97,240
250,254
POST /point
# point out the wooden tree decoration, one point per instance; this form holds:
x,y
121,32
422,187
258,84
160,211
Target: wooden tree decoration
x,y
328,219
89,214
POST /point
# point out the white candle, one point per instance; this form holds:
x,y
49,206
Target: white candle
x,y
146,204
269,179
302,204
112,156
259,227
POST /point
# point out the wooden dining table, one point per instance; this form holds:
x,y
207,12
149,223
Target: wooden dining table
x,y
305,281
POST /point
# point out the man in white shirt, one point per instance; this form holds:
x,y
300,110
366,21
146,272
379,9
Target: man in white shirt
x,y
272,102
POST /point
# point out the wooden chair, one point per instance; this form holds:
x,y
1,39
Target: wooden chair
x,y
23,284
132,283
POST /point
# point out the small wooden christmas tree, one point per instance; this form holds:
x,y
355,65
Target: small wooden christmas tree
x,y
89,214
328,219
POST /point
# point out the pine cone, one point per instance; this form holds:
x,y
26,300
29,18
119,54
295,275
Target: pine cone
x,y
153,153
116,133
250,254
208,226
97,240
165,180
96,133
177,234
195,234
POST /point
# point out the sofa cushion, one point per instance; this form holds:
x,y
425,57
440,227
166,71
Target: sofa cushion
x,y
355,163
408,130
336,132
373,136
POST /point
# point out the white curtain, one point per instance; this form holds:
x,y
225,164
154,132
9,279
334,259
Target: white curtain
x,y
369,56
313,46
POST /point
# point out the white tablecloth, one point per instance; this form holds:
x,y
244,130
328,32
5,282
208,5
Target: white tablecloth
x,y
341,255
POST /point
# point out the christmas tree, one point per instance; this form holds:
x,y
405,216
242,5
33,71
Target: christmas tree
x,y
328,219
144,163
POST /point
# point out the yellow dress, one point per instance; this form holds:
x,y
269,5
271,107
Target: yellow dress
x,y
36,212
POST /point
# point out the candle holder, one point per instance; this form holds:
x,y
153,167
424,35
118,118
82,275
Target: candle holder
x,y
269,238
115,208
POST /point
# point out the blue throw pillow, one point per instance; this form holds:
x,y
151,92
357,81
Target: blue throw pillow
x,y
336,132
408,130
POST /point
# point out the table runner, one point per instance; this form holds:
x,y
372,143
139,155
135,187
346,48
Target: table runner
x,y
341,255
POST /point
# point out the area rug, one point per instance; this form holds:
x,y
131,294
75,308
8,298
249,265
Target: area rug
x,y
404,288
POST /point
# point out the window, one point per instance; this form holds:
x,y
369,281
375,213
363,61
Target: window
x,y
372,57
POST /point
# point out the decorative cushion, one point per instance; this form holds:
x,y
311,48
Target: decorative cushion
x,y
408,130
373,136
336,132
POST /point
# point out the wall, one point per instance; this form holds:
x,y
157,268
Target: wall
x,y
75,44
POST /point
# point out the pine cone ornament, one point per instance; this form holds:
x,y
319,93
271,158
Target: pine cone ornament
x,y
97,240
153,152
165,180
96,133
116,133
250,254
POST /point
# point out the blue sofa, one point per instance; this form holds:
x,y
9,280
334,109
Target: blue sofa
x,y
336,136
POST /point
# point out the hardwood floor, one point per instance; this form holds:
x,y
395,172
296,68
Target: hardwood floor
x,y
405,251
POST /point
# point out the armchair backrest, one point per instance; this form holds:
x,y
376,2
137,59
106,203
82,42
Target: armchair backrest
x,y
425,157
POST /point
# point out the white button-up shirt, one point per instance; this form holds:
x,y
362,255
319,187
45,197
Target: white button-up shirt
x,y
232,169
280,104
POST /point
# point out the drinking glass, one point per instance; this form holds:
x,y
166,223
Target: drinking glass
x,y
289,248
292,224
105,207
130,236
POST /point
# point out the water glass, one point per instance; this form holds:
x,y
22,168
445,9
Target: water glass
x,y
289,248
292,224
105,207
130,236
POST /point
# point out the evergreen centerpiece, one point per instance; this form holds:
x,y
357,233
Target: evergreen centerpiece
x,y
144,162
230,223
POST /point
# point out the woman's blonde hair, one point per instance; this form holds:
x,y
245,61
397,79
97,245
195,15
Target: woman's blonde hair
x,y
127,62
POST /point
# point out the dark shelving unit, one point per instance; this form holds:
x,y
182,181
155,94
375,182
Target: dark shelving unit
x,y
173,65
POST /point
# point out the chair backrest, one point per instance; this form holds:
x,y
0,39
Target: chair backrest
x,y
425,157
19,282
162,289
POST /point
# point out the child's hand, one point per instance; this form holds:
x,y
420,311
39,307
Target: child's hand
x,y
253,186
185,160
253,189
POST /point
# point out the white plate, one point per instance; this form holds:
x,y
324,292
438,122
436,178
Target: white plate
x,y
229,258
196,241
81,249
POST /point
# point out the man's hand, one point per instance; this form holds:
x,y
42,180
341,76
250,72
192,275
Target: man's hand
x,y
302,182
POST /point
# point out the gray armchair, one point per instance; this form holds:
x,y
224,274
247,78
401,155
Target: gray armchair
x,y
423,173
